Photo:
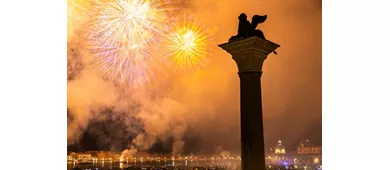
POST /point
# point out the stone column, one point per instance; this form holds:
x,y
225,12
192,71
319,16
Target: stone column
x,y
249,55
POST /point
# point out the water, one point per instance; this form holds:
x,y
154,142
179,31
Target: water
x,y
182,164
171,165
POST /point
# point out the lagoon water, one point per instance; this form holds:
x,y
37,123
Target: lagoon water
x,y
227,165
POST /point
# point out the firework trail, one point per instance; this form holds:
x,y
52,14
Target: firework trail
x,y
77,15
187,44
122,33
76,9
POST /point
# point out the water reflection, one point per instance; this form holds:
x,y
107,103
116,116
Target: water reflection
x,y
231,165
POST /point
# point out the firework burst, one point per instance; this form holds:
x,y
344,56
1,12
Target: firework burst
x,y
122,33
187,44
77,14
76,9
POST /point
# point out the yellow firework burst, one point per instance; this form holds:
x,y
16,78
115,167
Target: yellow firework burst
x,y
187,44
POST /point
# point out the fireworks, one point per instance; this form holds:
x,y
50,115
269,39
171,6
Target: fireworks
x,y
77,14
122,33
187,44
76,9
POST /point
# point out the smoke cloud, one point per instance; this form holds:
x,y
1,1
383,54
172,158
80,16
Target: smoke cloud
x,y
128,153
205,104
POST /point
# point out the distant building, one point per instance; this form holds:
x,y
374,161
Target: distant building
x,y
279,148
141,155
305,155
306,147
224,154
98,156
93,153
84,156
101,155
72,156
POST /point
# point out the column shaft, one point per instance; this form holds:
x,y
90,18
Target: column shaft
x,y
252,133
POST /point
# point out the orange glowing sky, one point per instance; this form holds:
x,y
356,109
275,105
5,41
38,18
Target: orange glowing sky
x,y
207,100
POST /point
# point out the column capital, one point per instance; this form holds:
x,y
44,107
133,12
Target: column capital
x,y
249,53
